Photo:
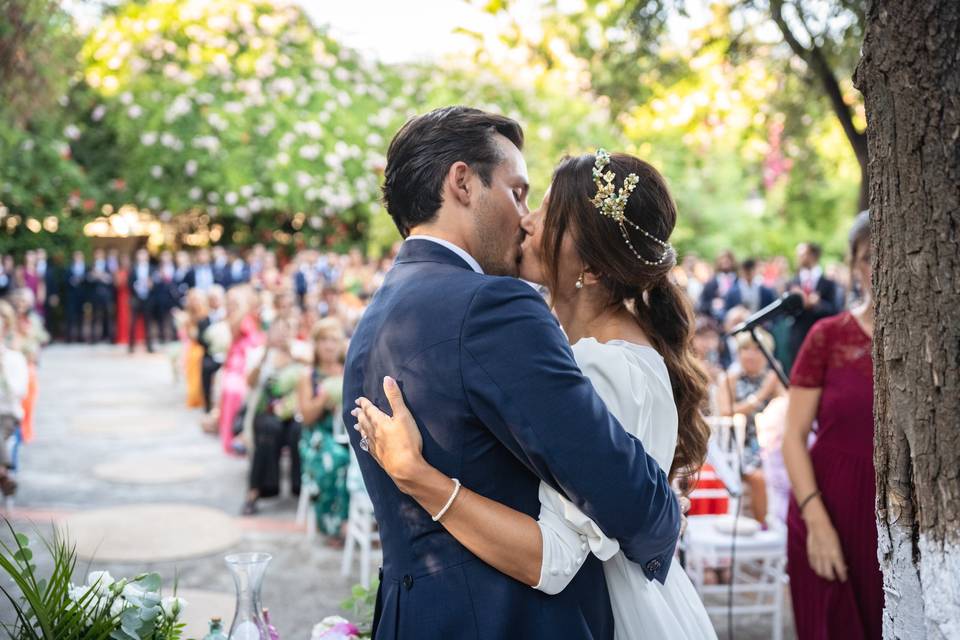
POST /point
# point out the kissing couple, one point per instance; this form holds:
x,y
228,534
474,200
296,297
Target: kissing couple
x,y
521,480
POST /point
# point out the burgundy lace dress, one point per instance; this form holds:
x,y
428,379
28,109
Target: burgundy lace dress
x,y
836,357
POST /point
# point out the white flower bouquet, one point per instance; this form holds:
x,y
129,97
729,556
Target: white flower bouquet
x,y
53,607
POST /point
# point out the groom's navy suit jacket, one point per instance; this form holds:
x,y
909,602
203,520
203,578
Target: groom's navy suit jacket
x,y
491,380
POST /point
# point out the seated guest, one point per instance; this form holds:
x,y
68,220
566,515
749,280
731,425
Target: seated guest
x,y
30,335
748,391
270,418
324,457
242,318
194,317
15,375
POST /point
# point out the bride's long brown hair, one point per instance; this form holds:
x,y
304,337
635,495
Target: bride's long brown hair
x,y
661,309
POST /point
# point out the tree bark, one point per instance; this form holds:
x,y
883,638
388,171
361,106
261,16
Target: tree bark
x,y
910,78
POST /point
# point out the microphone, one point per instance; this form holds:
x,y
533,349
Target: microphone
x,y
790,303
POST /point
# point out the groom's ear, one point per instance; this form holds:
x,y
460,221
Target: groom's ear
x,y
460,182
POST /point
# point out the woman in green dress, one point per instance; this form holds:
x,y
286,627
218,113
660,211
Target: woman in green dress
x,y
325,456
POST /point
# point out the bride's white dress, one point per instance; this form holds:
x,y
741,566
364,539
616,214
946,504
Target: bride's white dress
x,y
633,382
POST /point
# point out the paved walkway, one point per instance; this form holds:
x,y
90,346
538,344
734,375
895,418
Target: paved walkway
x,y
121,462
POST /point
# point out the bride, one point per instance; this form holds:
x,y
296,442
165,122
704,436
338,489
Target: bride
x,y
599,242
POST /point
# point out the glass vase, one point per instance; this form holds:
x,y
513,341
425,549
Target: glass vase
x,y
248,570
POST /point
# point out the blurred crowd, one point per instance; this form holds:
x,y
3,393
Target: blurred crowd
x,y
260,340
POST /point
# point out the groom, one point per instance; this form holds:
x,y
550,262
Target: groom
x,y
491,380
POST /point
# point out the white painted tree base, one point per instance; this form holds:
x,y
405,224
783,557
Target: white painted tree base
x,y
921,603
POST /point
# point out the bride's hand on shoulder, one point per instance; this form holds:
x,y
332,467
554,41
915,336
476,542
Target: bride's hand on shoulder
x,y
393,441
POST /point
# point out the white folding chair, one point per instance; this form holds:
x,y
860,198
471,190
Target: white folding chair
x,y
757,563
362,533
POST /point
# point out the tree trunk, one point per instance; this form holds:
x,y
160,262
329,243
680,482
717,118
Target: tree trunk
x,y
910,78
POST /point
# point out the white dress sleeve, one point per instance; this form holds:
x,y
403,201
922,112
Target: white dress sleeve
x,y
568,534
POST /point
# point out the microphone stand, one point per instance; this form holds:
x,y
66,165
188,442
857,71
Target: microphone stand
x,y
770,359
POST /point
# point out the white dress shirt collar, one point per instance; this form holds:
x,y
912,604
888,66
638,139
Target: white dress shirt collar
x,y
469,259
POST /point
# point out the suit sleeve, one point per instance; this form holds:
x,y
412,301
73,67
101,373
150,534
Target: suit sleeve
x,y
523,383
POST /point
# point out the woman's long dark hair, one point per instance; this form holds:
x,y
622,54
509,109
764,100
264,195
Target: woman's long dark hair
x,y
661,309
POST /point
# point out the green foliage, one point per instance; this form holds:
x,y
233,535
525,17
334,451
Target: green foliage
x,y
361,604
43,191
239,109
53,608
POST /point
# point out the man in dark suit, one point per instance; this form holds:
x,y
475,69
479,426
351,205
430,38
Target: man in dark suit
x,y
819,294
718,295
239,270
749,291
221,267
140,283
164,297
501,404
49,272
100,286
201,276
75,289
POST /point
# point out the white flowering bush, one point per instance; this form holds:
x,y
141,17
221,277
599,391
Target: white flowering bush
x,y
245,112
54,607
235,108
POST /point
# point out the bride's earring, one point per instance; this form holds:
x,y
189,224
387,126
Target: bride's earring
x,y
579,283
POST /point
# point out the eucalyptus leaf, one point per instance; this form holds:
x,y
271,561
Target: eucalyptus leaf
x,y
151,582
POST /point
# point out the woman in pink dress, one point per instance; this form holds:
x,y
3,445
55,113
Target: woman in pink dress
x,y
242,316
835,578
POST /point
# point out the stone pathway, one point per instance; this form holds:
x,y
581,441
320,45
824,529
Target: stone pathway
x,y
122,463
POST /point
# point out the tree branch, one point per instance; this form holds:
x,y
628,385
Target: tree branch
x,y
818,64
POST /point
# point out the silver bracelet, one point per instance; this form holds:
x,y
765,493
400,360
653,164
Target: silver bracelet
x,y
453,496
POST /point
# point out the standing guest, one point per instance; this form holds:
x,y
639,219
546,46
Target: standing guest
x,y
14,384
325,459
246,336
6,277
748,391
256,261
113,263
99,281
140,283
221,267
271,416
180,274
51,290
239,270
713,298
750,291
164,297
819,294
201,274
835,577
33,280
121,284
76,294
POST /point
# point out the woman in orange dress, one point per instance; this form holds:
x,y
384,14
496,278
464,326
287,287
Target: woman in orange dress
x,y
30,337
196,310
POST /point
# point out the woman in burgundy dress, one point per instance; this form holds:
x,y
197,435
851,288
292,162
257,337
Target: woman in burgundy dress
x,y
835,578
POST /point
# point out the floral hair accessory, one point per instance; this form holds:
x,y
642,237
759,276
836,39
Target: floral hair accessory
x,y
612,203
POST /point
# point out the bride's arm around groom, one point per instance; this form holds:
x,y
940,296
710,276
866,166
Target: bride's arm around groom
x,y
522,381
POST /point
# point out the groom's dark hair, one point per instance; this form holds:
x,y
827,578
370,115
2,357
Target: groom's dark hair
x,y
425,148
